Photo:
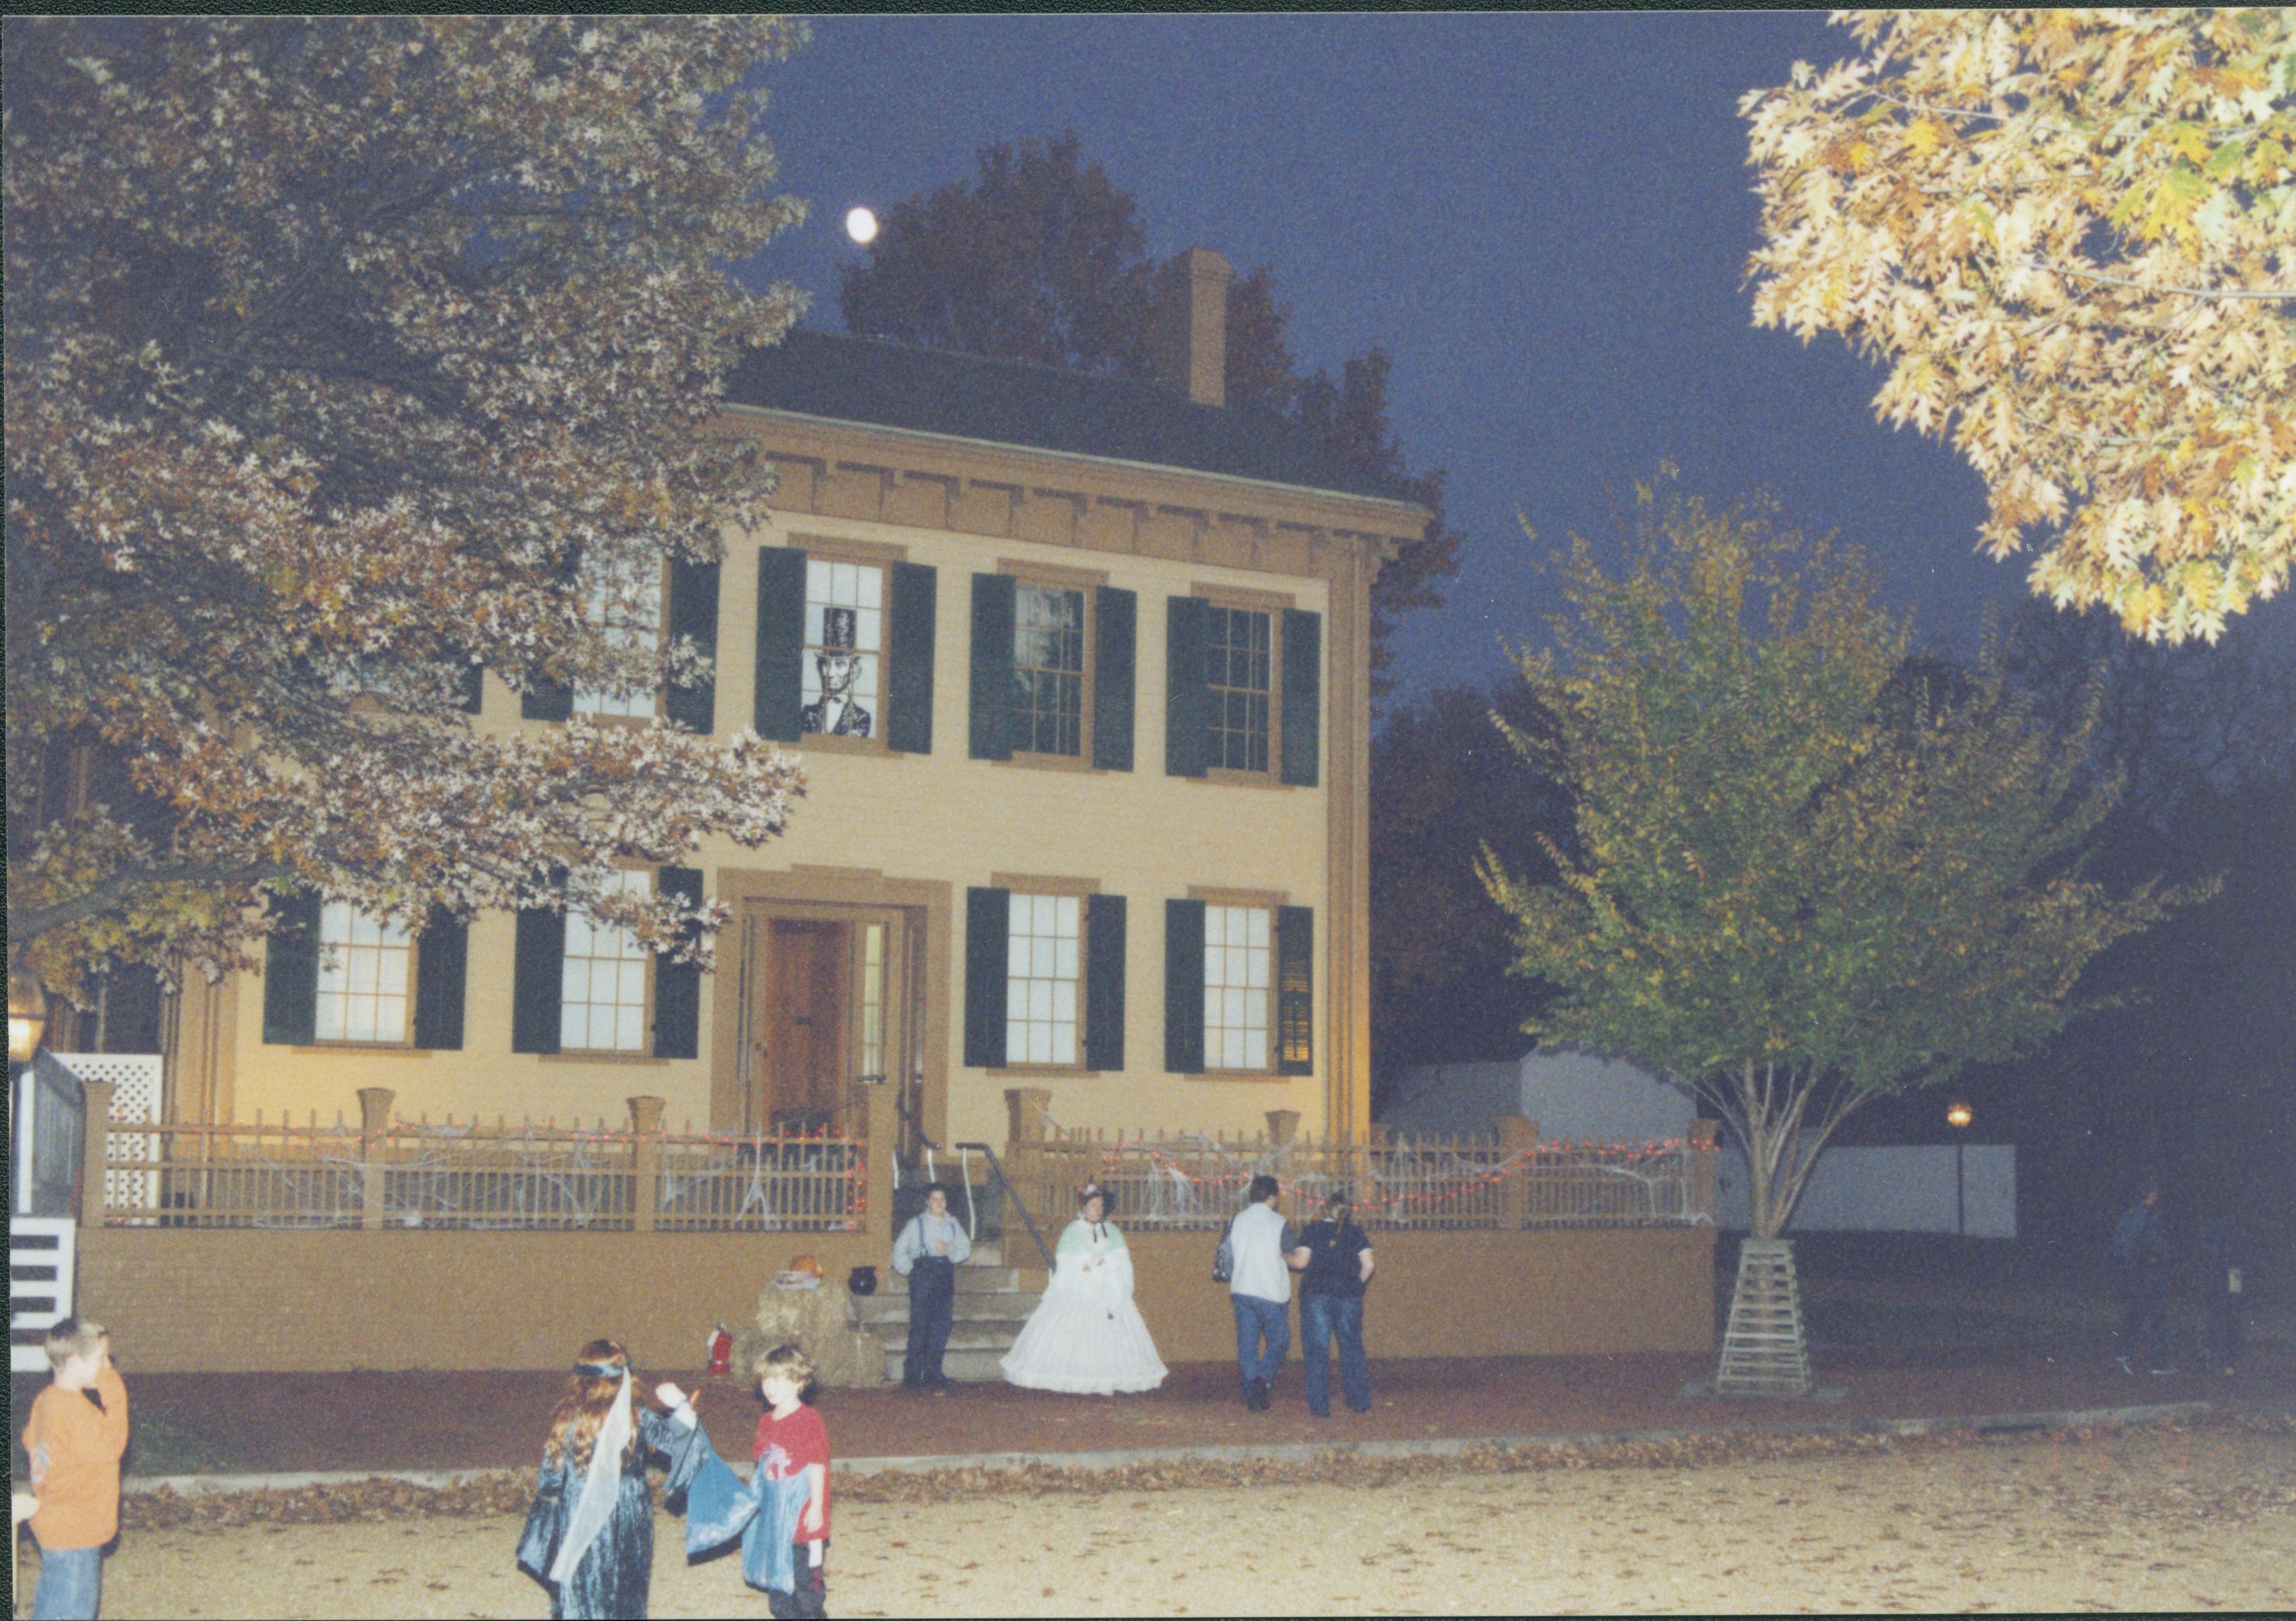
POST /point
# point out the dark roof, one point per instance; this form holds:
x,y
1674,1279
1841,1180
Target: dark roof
x,y
1039,407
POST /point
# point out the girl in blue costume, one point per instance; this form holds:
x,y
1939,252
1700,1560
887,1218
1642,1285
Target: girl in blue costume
x,y
589,1537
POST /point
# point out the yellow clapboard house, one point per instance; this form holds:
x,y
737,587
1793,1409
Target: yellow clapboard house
x,y
1078,666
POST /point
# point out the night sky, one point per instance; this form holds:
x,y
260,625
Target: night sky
x,y
1544,219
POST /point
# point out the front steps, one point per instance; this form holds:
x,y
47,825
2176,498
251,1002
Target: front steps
x,y
993,1300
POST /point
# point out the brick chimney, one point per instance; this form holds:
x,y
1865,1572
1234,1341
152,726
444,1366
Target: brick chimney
x,y
1187,337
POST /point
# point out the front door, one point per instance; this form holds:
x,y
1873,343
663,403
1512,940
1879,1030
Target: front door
x,y
830,998
807,1039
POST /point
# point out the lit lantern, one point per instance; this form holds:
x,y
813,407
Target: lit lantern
x,y
1958,1114
28,1014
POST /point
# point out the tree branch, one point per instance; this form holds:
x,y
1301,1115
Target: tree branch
x,y
26,924
2037,263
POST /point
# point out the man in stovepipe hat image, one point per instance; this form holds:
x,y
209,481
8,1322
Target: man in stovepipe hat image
x,y
837,663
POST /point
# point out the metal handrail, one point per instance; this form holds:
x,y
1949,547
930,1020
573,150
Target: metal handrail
x,y
1012,1197
910,1115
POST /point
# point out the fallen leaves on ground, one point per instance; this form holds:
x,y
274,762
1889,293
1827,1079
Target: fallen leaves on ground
x,y
510,1491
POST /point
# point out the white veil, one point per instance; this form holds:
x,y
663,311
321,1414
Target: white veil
x,y
601,1488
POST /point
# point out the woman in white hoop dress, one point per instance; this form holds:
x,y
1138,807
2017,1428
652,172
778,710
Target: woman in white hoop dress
x,y
1085,1337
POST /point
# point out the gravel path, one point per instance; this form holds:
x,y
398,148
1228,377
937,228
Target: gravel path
x,y
2169,1518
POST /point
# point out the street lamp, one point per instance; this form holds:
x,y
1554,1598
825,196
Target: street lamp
x,y
28,1014
1958,1114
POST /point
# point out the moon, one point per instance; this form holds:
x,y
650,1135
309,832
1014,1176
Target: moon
x,y
861,226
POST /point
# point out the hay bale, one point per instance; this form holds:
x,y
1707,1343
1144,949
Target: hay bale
x,y
844,1357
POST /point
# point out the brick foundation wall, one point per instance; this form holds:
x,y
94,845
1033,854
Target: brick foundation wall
x,y
1467,1294
213,1301
198,1301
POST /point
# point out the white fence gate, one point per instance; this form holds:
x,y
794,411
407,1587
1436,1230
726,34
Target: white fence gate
x,y
39,1285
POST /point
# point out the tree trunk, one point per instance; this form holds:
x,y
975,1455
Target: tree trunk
x,y
1765,1348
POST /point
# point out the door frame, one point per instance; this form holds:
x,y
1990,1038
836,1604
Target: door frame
x,y
919,908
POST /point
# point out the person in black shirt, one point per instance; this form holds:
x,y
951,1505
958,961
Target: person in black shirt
x,y
1331,1307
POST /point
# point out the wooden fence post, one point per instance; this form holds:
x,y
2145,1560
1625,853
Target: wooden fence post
x,y
1025,1115
95,1149
1517,1135
645,1161
375,1147
1698,1191
877,1126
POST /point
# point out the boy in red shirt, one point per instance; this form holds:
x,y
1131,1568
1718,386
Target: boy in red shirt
x,y
792,1439
78,1432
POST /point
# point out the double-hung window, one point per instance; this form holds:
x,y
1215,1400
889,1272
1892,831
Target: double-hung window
x,y
1044,976
624,600
1052,667
603,986
1239,984
1239,980
1243,689
840,680
1048,669
366,977
333,973
584,986
1242,677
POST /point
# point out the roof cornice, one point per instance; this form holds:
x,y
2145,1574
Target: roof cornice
x,y
1409,513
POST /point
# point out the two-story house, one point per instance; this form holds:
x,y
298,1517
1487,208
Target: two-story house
x,y
1078,666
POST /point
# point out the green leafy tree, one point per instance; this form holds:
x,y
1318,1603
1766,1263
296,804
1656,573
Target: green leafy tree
x,y
1042,257
1800,880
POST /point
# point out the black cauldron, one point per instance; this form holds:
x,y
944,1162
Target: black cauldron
x,y
862,1280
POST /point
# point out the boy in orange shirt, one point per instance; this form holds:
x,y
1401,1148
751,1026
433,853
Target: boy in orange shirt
x,y
78,1433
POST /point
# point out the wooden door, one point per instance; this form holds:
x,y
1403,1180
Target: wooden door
x,y
806,1026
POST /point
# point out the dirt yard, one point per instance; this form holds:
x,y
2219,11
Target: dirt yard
x,y
2164,1519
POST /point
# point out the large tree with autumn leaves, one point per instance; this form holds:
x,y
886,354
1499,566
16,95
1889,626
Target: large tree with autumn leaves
x,y
346,357
1807,872
2071,237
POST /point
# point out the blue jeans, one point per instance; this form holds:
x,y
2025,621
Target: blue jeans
x,y
71,1580
1322,1318
1258,1320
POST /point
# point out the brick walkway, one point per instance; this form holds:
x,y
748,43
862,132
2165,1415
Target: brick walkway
x,y
263,1424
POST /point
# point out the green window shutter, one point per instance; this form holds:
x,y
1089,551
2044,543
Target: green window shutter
x,y
994,605
442,955
1116,637
1303,696
694,612
677,986
1184,987
987,945
780,642
1187,692
539,978
290,972
1103,982
472,685
1295,990
547,700
909,677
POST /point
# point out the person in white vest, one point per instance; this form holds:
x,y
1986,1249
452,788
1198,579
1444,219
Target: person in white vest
x,y
1265,1253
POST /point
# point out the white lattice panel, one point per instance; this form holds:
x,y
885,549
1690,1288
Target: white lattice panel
x,y
136,1080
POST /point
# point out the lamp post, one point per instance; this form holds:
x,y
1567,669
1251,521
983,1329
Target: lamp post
x,y
1958,1114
